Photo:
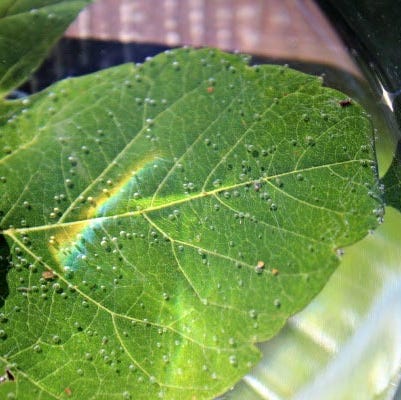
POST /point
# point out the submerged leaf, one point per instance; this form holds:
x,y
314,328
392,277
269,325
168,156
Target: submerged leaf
x,y
161,219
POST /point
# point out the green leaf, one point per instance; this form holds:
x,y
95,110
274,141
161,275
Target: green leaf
x,y
161,219
392,181
350,334
28,29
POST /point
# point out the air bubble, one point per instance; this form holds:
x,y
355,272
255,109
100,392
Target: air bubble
x,y
37,348
273,207
73,161
56,339
310,141
379,212
250,148
7,149
56,286
233,360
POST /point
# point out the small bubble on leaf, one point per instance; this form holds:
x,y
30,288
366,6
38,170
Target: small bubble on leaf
x,y
37,348
277,303
56,339
233,360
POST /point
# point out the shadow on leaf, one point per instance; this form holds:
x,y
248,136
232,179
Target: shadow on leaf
x,y
4,268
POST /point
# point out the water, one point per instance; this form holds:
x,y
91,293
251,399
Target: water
x,y
307,358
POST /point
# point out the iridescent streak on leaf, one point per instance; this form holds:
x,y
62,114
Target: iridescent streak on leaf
x,y
71,242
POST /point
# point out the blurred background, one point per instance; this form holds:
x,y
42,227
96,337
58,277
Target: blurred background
x,y
284,29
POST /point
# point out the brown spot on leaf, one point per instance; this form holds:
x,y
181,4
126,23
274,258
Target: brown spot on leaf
x,y
345,102
48,275
10,375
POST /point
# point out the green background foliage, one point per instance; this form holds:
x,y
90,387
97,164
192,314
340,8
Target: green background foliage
x,y
28,28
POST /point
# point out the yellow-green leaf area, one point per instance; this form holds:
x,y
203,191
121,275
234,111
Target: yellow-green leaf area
x,y
160,219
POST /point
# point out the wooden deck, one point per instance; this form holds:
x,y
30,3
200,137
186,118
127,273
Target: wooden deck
x,y
283,29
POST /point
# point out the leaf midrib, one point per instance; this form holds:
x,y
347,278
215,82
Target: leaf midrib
x,y
187,199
